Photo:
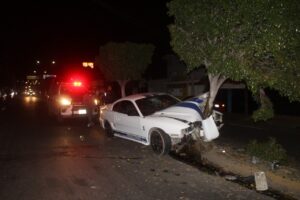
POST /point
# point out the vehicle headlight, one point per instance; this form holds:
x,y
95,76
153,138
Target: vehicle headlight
x,y
65,101
187,130
96,102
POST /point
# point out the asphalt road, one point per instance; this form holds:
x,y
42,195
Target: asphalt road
x,y
41,159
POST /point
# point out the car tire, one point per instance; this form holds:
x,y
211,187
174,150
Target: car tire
x,y
160,142
108,130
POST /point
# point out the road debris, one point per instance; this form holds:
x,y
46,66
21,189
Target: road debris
x,y
93,187
255,160
82,138
260,181
230,177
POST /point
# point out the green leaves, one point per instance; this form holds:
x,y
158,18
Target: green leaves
x,y
253,41
124,61
268,150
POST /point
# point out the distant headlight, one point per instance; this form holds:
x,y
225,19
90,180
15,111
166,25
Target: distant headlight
x,y
65,101
219,105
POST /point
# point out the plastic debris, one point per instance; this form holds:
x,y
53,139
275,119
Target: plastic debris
x,y
230,177
275,164
255,160
260,181
82,138
93,187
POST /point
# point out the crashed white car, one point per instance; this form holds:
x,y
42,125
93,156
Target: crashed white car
x,y
159,120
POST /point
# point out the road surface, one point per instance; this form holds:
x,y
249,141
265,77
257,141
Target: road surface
x,y
42,159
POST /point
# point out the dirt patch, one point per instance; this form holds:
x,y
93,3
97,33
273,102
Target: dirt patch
x,y
284,179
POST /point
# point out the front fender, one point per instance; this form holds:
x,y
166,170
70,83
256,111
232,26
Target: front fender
x,y
170,126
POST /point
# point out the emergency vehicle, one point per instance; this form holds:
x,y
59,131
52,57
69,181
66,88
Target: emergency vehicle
x,y
66,99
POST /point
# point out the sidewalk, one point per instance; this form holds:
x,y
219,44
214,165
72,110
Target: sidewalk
x,y
238,130
229,156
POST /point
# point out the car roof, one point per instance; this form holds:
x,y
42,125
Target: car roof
x,y
135,97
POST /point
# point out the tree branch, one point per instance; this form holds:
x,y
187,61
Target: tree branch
x,y
186,33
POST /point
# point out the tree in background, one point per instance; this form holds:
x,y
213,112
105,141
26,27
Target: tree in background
x,y
123,62
252,41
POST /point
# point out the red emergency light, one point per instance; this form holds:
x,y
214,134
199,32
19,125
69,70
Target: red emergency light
x,y
77,83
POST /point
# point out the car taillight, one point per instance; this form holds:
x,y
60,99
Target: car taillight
x,y
65,101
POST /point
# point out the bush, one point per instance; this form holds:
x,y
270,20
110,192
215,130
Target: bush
x,y
268,151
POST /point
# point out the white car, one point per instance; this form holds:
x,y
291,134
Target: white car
x,y
159,120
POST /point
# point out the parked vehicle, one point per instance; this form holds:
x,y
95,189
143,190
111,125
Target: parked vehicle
x,y
66,99
159,120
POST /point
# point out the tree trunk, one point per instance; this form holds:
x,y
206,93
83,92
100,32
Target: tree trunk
x,y
122,84
215,82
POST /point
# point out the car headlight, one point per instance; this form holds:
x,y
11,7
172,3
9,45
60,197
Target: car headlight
x,y
187,130
65,101
96,102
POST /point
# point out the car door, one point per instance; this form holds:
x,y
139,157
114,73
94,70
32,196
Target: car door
x,y
127,120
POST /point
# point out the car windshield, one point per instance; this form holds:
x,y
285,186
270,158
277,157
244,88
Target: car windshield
x,y
150,105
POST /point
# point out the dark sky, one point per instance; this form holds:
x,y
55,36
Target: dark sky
x,y
71,32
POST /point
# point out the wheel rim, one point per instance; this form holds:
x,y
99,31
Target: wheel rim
x,y
157,143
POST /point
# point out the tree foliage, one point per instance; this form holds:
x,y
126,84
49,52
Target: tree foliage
x,y
253,41
124,61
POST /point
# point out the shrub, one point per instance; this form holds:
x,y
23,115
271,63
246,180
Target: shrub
x,y
268,151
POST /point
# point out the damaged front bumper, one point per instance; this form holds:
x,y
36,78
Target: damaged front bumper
x,y
206,130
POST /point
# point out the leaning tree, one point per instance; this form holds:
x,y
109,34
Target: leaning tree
x,y
252,41
123,62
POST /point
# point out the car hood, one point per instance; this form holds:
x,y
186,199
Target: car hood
x,y
188,111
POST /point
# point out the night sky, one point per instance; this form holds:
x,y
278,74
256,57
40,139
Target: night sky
x,y
71,32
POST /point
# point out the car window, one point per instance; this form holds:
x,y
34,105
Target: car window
x,y
150,105
126,107
117,107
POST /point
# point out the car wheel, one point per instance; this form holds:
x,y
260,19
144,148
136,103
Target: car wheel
x,y
160,142
108,130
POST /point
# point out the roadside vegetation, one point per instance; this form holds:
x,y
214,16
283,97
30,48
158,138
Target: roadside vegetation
x,y
269,150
